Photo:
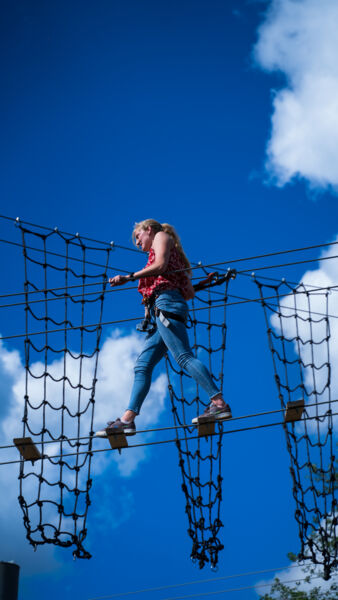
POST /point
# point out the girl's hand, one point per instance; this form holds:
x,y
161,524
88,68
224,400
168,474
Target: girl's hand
x,y
118,280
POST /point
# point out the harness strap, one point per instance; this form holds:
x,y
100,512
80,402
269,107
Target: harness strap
x,y
150,300
168,315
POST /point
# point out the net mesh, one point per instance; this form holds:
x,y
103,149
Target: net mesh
x,y
200,457
65,282
299,333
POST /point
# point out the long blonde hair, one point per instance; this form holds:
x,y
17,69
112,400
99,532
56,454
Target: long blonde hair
x,y
170,230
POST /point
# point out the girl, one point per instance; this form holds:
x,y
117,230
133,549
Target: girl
x,y
165,284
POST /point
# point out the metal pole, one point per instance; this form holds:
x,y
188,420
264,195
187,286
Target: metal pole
x,y
9,581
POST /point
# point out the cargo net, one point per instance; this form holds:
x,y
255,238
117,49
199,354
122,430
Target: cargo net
x,y
200,457
64,290
298,327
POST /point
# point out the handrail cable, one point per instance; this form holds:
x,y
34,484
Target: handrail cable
x,y
17,219
86,294
194,267
292,264
70,287
314,246
197,266
118,321
245,300
216,264
63,255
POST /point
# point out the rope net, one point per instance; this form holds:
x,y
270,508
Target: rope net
x,y
200,459
60,379
298,328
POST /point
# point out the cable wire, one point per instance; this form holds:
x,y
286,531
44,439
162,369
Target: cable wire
x,y
268,254
298,262
175,440
17,220
184,426
63,256
198,581
226,262
125,288
214,593
249,587
119,321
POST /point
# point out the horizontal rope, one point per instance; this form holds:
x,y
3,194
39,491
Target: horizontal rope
x,y
66,295
297,309
17,219
91,452
45,252
225,262
197,581
248,587
119,321
215,592
299,262
75,286
127,288
184,426
289,281
268,254
126,271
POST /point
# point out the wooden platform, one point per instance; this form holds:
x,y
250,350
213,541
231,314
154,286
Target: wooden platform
x,y
205,427
27,449
118,441
294,411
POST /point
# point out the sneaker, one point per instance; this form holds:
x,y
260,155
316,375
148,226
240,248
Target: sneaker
x,y
114,427
213,413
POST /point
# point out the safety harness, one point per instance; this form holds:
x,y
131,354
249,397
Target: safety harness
x,y
149,326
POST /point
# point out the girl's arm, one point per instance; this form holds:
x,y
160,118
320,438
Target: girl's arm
x,y
161,245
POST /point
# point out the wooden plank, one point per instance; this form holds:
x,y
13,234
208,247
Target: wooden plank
x,y
205,427
117,440
294,411
27,449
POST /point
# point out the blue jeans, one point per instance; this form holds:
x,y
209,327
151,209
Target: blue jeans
x,y
175,339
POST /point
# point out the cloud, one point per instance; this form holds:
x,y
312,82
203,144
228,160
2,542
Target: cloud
x,y
298,38
115,377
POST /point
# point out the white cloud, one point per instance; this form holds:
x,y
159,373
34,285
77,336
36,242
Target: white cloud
x,y
299,39
115,377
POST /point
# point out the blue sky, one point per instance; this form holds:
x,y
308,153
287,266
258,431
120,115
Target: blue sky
x,y
215,117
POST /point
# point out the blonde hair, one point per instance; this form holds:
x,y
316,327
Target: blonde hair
x,y
170,230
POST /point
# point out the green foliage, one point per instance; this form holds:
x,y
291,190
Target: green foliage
x,y
281,591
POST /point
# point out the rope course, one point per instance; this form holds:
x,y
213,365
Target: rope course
x,y
300,347
61,376
60,380
200,457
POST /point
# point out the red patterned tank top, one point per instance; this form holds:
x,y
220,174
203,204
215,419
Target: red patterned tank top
x,y
172,279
